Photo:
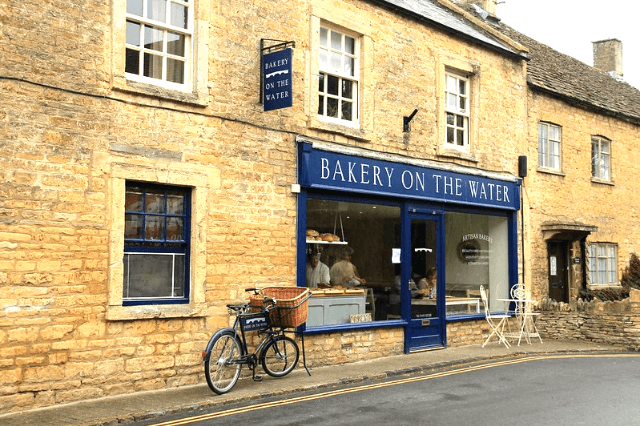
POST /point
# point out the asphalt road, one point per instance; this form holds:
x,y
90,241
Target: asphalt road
x,y
576,390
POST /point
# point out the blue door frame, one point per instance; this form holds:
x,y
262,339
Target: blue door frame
x,y
423,333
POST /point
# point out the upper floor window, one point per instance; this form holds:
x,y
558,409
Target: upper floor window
x,y
156,244
549,146
457,110
158,41
600,158
338,82
603,262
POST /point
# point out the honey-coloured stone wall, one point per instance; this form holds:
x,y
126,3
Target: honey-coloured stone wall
x,y
74,130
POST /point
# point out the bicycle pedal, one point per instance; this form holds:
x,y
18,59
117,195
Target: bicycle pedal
x,y
257,378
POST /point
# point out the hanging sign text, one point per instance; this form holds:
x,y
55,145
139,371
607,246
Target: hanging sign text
x,y
276,68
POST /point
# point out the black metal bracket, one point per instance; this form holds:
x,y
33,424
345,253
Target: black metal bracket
x,y
281,44
406,120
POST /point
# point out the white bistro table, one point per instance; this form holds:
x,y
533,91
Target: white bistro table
x,y
526,325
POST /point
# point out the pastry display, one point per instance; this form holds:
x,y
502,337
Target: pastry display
x,y
313,235
329,237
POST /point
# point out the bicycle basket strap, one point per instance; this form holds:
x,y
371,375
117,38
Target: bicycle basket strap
x,y
254,322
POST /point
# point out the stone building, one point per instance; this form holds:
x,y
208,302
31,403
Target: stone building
x,y
147,181
581,213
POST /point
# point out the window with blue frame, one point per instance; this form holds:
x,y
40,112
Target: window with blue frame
x,y
156,244
350,267
476,253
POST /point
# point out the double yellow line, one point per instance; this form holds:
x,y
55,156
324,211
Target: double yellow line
x,y
296,400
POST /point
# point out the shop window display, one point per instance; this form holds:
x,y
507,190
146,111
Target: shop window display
x,y
350,245
354,270
476,253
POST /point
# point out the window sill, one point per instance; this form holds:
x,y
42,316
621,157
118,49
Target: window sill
x,y
551,171
602,181
445,152
140,88
604,286
339,129
322,329
139,312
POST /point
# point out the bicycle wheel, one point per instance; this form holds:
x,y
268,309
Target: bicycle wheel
x,y
280,356
221,366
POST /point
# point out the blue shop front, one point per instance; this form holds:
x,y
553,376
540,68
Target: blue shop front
x,y
387,241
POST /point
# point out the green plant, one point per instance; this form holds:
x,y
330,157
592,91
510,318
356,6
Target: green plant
x,y
585,294
631,274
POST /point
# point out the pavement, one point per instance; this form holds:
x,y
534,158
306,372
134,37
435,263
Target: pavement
x,y
145,406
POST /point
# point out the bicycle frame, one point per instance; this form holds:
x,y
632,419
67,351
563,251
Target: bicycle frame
x,y
243,323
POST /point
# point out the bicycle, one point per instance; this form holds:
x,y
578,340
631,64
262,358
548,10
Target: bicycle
x,y
227,349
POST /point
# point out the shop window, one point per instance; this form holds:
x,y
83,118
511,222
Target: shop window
x,y
338,77
603,261
549,146
476,253
600,158
457,105
156,251
351,246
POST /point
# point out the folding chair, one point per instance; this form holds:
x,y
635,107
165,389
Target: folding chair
x,y
497,322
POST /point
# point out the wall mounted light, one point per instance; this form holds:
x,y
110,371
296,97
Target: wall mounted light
x,y
406,120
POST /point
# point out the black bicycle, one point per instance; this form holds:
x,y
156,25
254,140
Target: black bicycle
x,y
227,350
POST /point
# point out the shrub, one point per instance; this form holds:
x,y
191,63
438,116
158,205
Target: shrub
x,y
631,274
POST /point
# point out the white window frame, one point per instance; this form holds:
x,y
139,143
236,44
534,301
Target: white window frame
x,y
549,147
600,158
603,264
454,108
145,22
325,71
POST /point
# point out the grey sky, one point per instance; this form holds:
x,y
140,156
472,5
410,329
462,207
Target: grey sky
x,y
570,27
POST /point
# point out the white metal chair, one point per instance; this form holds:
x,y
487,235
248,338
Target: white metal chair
x,y
526,322
497,322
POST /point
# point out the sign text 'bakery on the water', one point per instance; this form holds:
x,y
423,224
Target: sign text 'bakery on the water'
x,y
346,172
277,89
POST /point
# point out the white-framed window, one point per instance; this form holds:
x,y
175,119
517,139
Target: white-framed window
x,y
156,244
338,76
549,146
603,264
600,158
159,42
457,98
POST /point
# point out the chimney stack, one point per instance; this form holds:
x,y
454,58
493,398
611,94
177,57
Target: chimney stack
x,y
607,56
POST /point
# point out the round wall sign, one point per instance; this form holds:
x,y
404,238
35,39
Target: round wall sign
x,y
469,250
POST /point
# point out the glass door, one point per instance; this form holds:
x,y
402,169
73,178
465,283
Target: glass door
x,y
424,294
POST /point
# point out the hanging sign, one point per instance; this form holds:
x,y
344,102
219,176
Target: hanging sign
x,y
277,88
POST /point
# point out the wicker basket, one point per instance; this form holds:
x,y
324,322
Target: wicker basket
x,y
292,305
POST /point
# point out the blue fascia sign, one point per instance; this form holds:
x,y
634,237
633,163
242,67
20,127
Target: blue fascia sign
x,y
276,68
343,172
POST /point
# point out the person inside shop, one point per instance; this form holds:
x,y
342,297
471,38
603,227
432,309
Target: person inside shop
x,y
344,272
394,297
317,272
427,285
